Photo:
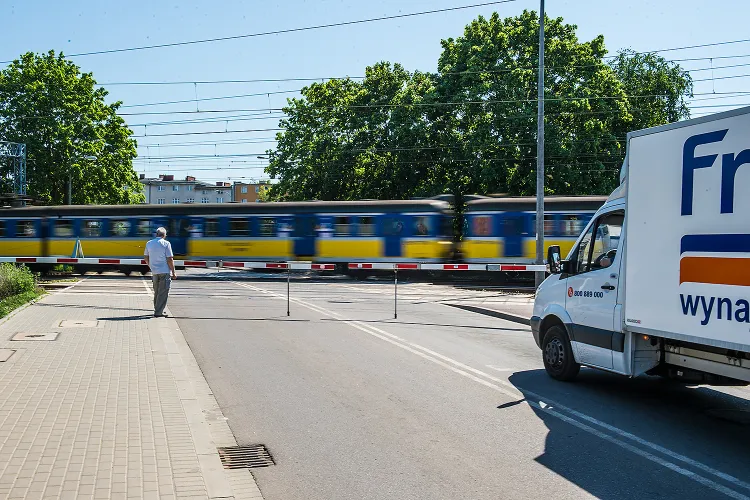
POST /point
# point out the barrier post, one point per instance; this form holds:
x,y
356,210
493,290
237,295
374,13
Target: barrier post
x,y
288,281
395,292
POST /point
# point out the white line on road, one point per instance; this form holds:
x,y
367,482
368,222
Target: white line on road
x,y
498,369
537,401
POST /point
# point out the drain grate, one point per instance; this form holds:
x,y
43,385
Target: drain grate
x,y
35,336
245,457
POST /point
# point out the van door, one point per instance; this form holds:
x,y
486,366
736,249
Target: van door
x,y
592,292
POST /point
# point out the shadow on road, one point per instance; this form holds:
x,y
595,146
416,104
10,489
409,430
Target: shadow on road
x,y
661,412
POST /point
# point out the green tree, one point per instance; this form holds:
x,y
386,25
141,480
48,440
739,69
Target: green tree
x,y
490,73
70,132
657,89
352,140
472,126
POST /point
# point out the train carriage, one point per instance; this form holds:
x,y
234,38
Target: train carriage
x,y
504,229
320,231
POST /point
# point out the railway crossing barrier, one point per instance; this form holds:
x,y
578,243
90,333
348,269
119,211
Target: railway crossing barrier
x,y
289,267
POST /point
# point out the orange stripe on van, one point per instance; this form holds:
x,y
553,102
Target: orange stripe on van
x,y
715,270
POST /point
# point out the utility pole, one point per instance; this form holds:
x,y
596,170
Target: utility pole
x,y
539,275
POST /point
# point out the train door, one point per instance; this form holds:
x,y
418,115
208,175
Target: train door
x,y
513,231
392,230
177,232
304,235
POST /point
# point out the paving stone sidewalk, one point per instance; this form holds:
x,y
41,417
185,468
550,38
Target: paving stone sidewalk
x,y
114,407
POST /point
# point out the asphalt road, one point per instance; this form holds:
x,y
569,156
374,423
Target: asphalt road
x,y
441,403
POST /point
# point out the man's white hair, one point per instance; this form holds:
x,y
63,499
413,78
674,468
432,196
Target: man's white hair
x,y
161,232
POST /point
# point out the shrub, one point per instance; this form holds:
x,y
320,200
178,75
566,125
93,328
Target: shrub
x,y
15,280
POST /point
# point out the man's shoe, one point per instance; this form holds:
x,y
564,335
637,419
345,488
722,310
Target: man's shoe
x,y
162,315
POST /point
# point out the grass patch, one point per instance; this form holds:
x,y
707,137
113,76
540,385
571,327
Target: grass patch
x,y
10,304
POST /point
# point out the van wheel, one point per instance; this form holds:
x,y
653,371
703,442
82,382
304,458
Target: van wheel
x,y
558,355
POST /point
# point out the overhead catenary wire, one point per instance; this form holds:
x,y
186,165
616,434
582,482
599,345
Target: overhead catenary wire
x,y
287,30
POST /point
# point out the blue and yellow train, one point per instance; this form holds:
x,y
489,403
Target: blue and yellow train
x,y
504,229
496,229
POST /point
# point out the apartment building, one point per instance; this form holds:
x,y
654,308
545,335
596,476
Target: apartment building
x,y
166,190
249,192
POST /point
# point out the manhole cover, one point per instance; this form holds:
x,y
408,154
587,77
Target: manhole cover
x,y
245,457
35,336
78,323
5,354
736,416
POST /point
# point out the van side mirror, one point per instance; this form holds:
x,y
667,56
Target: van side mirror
x,y
554,261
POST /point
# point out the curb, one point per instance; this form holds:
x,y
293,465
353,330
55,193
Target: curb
x,y
208,425
495,314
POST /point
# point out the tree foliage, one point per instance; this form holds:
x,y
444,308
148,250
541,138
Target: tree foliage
x,y
57,111
472,126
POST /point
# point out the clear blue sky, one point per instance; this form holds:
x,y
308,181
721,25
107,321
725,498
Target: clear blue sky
x,y
86,25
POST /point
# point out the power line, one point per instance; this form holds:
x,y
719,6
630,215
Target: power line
x,y
206,132
333,78
210,98
288,30
713,44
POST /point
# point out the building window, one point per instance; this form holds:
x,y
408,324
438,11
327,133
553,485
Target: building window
x,y
220,200
220,192
190,200
25,229
175,187
204,200
91,229
204,192
211,227
160,188
175,200
244,200
161,201
189,188
119,227
243,190
63,229
257,189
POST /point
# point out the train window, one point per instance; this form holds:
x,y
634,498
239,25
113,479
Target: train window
x,y
342,226
63,229
2,228
481,225
549,225
392,227
572,225
267,226
144,227
91,228
238,227
211,227
25,229
421,226
119,227
366,226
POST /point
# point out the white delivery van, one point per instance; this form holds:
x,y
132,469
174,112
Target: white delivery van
x,y
659,281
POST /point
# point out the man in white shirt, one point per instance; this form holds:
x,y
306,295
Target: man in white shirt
x,y
160,259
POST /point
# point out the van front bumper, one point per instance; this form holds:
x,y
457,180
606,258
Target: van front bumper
x,y
536,322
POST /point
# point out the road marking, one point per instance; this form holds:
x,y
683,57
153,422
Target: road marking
x,y
498,369
537,401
